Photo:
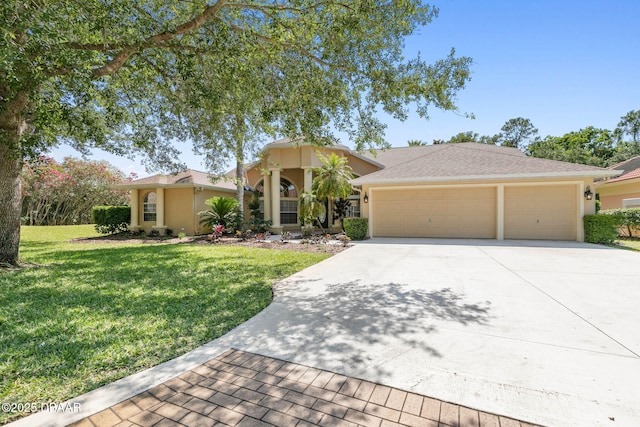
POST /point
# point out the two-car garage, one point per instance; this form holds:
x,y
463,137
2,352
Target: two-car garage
x,y
493,211
434,212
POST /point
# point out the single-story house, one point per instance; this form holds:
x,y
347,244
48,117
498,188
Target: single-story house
x,y
622,191
464,190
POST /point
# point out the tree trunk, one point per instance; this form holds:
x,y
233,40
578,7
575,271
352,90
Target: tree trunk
x,y
239,147
12,126
240,183
10,204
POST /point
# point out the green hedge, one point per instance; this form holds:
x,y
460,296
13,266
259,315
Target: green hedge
x,y
111,219
630,218
602,227
356,228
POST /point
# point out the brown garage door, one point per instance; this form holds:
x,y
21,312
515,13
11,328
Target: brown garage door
x,y
540,212
452,212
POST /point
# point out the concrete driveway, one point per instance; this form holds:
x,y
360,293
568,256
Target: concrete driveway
x,y
547,332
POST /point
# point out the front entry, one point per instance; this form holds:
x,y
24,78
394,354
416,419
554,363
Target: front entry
x,y
324,219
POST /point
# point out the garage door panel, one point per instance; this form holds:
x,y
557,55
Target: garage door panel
x,y
454,213
409,206
540,212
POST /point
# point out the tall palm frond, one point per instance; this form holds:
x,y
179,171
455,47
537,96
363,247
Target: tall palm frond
x,y
332,178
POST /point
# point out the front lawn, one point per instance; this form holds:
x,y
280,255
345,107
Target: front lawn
x,y
91,313
632,243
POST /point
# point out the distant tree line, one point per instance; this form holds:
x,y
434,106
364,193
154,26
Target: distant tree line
x,y
590,146
64,193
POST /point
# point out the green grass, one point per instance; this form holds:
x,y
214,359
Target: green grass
x,y
627,243
92,313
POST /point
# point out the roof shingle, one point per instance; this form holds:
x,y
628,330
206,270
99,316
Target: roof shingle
x,y
468,160
190,176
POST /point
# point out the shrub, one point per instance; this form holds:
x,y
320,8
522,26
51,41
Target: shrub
x,y
630,219
356,228
216,233
224,211
602,228
111,219
258,225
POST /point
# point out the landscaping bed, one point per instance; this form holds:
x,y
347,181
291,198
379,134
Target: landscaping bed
x,y
318,245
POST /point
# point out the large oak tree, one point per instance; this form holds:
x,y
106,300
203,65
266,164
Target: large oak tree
x,y
138,76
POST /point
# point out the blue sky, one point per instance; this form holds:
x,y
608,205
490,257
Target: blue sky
x,y
564,65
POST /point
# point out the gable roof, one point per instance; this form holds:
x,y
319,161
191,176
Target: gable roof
x,y
188,178
470,161
630,170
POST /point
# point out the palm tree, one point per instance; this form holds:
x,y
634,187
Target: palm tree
x,y
416,143
224,211
311,208
332,178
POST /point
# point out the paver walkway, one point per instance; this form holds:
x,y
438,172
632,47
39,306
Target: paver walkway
x,y
239,388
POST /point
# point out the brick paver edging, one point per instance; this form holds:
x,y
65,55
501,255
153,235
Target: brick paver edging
x,y
243,389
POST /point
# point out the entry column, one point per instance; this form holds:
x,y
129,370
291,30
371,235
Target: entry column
x,y
275,201
308,179
162,229
134,224
266,195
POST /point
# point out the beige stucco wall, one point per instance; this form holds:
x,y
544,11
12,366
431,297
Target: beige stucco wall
x,y
178,210
611,195
254,175
304,157
361,167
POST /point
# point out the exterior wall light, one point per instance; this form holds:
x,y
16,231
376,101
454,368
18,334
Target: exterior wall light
x,y
366,198
588,194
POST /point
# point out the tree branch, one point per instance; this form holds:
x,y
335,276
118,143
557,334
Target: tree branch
x,y
270,40
157,40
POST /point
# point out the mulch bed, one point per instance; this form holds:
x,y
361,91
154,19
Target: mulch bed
x,y
330,247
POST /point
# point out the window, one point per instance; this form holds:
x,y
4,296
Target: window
x,y
288,212
354,208
149,207
288,201
287,189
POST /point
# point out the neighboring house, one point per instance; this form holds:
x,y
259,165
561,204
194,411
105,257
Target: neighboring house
x,y
464,190
622,191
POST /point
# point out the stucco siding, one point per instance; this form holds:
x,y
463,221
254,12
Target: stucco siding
x,y
360,167
611,195
178,210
